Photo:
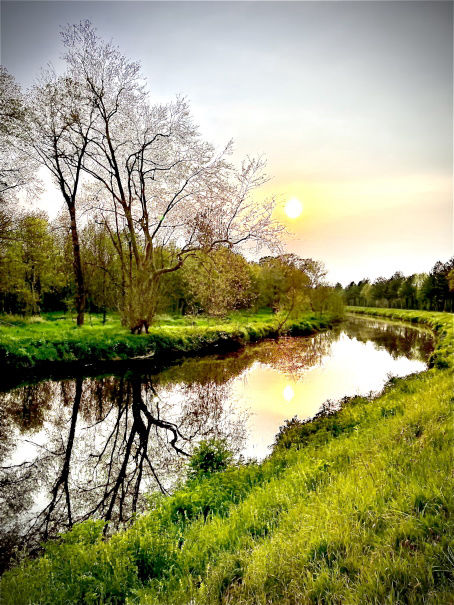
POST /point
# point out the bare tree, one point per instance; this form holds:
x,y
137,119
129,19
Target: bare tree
x,y
59,127
160,183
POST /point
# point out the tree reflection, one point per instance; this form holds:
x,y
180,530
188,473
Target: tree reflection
x,y
104,445
287,355
398,339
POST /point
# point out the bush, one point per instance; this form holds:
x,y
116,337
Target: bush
x,y
210,456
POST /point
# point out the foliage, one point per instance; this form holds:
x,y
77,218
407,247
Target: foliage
x,y
355,507
31,266
283,283
219,282
37,276
433,291
101,269
210,456
290,285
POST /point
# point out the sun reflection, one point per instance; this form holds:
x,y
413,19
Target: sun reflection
x,y
288,393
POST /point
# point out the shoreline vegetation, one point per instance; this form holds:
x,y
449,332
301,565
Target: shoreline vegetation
x,y
48,344
353,507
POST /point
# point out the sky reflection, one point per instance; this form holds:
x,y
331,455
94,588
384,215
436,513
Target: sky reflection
x,y
350,367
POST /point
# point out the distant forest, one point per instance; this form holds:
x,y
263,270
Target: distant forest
x,y
433,291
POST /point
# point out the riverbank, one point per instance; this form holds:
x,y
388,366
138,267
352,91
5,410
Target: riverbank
x,y
355,507
45,344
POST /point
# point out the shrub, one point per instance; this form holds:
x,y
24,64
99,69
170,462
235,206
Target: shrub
x,y
210,456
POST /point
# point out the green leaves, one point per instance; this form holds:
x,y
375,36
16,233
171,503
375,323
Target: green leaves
x,y
209,457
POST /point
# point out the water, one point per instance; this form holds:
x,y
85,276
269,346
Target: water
x,y
94,447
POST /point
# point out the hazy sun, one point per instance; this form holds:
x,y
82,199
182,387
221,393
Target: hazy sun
x,y
293,208
288,393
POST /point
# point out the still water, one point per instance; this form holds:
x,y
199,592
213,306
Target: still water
x,y
78,448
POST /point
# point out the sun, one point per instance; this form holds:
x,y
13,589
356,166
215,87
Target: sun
x,y
293,208
288,393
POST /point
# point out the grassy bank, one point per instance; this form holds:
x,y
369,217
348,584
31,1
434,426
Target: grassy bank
x,y
353,508
47,341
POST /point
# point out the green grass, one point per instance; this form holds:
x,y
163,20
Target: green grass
x,y
38,342
354,508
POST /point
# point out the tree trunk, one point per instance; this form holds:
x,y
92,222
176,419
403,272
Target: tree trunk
x,y
141,327
77,264
140,301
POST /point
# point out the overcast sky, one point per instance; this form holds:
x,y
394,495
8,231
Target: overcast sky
x,y
351,103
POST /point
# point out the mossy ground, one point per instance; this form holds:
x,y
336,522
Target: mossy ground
x,y
355,508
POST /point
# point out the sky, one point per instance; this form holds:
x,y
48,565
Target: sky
x,y
350,102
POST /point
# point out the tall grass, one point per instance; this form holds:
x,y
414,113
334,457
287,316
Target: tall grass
x,y
355,508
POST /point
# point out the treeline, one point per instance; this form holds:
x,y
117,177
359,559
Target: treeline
x,y
36,275
433,291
